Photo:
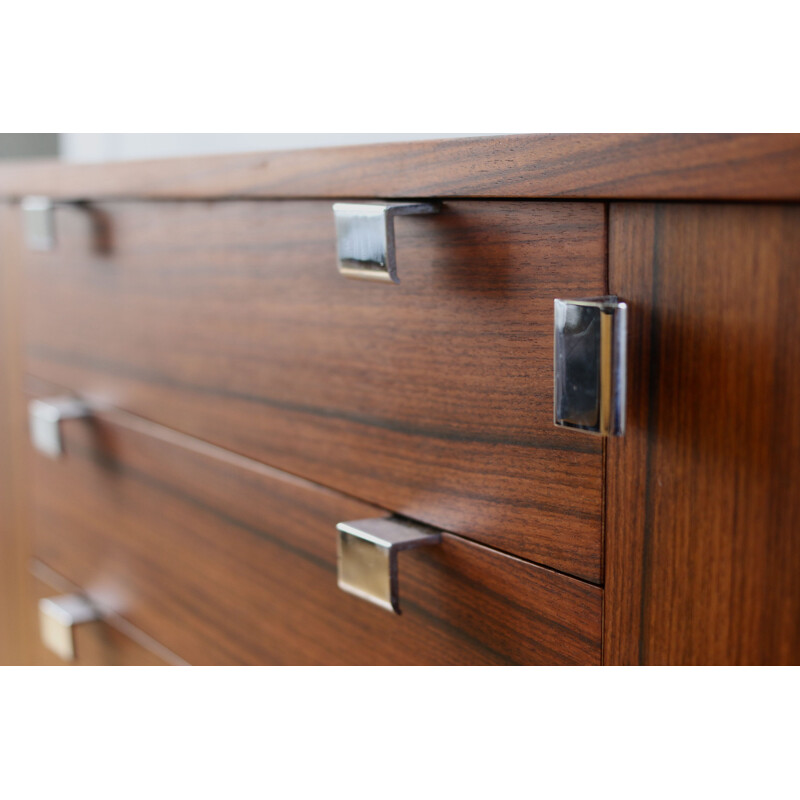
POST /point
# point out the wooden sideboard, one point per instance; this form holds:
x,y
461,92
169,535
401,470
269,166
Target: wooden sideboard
x,y
243,397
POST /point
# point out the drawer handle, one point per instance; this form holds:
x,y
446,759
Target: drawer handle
x,y
367,557
365,237
45,418
591,365
58,617
39,224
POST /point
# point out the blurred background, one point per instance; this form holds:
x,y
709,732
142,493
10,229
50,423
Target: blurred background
x,y
88,147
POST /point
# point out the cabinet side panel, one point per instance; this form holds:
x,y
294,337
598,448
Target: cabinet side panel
x,y
703,514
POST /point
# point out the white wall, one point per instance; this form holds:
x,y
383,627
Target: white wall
x,y
123,146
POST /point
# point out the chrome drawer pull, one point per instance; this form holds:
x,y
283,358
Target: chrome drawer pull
x,y
45,418
39,223
365,237
38,220
590,365
58,617
367,557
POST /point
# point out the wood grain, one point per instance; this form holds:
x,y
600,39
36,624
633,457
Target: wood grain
x,y
230,322
226,561
584,166
703,533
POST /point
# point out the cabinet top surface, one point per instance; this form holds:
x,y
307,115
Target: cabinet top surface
x,y
745,167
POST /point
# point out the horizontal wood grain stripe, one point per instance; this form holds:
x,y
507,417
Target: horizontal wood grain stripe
x,y
582,166
226,563
549,440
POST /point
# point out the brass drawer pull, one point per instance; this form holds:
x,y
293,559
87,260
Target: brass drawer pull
x,y
367,557
365,237
58,617
590,365
45,418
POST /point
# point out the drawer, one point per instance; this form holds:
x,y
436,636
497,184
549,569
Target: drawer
x,y
229,321
223,560
99,643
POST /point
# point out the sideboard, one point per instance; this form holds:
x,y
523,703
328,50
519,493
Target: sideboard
x,y
505,400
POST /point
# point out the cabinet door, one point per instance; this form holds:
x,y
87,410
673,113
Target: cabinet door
x,y
703,528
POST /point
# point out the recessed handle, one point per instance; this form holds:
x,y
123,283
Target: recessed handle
x,y
590,365
365,237
58,617
45,418
368,550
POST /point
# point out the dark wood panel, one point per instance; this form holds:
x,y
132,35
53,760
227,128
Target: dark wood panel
x,y
703,534
587,166
433,398
226,561
98,644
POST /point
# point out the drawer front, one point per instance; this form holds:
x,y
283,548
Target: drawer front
x,y
97,643
433,398
223,560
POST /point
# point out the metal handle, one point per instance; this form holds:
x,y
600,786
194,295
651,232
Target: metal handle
x,y
365,237
368,551
39,224
58,617
45,418
590,365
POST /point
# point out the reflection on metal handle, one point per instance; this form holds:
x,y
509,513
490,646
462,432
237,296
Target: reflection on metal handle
x,y
58,617
45,418
368,551
365,237
590,365
38,221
